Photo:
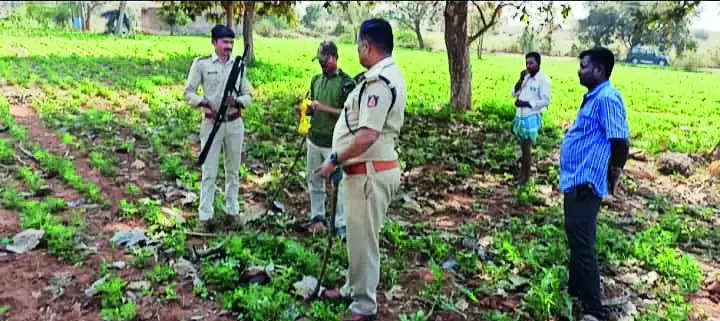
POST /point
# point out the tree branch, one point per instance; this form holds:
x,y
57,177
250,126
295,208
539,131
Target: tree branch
x,y
482,15
493,20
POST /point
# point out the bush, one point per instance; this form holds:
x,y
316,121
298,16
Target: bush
x,y
272,26
689,62
405,38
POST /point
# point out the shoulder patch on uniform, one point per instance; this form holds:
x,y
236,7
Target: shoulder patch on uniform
x,y
204,57
372,101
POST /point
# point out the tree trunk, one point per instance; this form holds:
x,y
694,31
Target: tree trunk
x,y
121,18
248,22
86,17
458,51
229,13
418,33
480,46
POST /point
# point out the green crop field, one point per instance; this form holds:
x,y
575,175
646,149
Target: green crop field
x,y
667,109
460,242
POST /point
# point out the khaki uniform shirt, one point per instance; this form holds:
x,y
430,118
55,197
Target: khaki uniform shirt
x,y
213,75
373,111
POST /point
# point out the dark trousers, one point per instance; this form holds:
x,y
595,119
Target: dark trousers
x,y
581,209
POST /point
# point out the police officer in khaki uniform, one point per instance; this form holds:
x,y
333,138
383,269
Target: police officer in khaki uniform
x,y
212,73
364,145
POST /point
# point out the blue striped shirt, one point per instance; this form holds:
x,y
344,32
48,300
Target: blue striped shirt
x,y
585,151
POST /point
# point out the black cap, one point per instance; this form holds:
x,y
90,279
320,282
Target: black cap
x,y
326,49
221,31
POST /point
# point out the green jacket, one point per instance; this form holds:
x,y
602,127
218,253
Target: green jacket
x,y
330,90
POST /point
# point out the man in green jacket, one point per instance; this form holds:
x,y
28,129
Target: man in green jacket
x,y
328,91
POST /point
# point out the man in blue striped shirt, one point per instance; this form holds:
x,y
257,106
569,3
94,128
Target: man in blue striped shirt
x,y
592,156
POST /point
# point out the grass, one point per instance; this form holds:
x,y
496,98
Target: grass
x,y
662,116
125,96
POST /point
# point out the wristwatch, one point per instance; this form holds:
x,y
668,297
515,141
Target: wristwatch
x,y
334,159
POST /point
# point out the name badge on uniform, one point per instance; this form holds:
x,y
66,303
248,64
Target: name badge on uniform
x,y
372,101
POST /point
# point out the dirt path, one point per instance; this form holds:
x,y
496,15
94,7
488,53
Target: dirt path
x,y
24,278
24,114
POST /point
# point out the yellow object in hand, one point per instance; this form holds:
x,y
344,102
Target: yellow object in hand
x,y
304,125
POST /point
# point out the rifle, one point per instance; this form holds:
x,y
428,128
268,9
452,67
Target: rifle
x,y
221,115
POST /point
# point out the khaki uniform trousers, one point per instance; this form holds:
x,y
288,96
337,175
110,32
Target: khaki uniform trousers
x,y
229,138
367,198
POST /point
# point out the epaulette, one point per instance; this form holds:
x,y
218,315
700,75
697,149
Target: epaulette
x,y
203,58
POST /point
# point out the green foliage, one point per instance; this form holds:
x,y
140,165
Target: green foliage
x,y
325,311
161,273
170,293
105,165
260,303
60,241
54,164
176,241
417,316
496,315
112,292
11,199
31,178
128,208
7,152
222,274
468,262
526,193
141,257
125,312
133,189
546,297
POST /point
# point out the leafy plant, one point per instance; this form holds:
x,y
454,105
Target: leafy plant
x,y
105,165
222,274
260,302
11,199
161,273
112,292
417,316
6,152
141,257
127,208
133,189
526,193
176,241
546,298
125,312
170,293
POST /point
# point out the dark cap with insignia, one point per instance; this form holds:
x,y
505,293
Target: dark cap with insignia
x,y
326,49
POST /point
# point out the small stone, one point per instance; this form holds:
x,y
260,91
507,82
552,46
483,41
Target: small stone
x,y
26,241
129,238
462,304
629,279
306,286
139,285
675,163
449,264
714,168
92,290
119,265
184,268
650,278
138,165
173,214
